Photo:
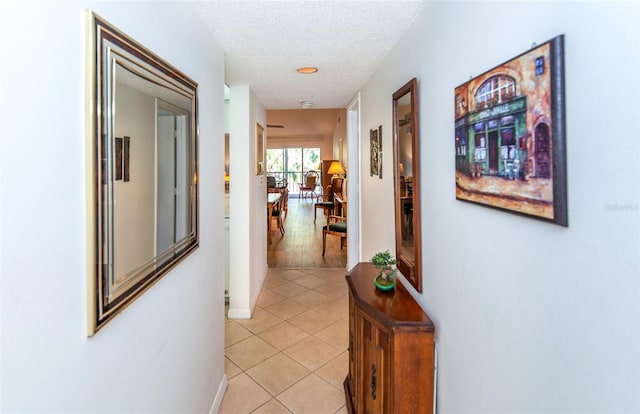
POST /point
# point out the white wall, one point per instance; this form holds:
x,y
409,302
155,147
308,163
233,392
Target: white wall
x,y
134,200
165,352
530,316
257,251
247,204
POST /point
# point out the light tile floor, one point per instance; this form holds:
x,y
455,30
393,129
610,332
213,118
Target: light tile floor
x,y
291,356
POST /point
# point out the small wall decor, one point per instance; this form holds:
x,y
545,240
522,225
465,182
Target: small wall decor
x,y
375,138
259,149
118,158
510,135
380,152
125,158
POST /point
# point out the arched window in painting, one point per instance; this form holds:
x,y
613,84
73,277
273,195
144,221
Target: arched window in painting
x,y
495,90
543,151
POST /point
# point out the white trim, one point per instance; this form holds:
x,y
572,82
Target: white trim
x,y
242,313
217,402
354,184
435,376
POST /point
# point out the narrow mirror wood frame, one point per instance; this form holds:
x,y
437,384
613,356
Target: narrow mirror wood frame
x,y
406,175
142,204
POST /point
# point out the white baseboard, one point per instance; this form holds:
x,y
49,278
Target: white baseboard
x,y
239,313
217,402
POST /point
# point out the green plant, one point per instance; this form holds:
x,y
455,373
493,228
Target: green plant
x,y
383,259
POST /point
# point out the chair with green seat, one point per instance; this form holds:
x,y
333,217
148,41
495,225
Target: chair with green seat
x,y
325,201
336,223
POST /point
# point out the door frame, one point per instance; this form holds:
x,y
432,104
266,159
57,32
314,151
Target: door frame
x,y
354,144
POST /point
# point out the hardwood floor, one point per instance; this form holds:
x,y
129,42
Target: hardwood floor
x,y
301,245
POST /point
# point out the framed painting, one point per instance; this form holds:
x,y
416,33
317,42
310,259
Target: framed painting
x,y
125,158
375,139
118,158
259,149
510,135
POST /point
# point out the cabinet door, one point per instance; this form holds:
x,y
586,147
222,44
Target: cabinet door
x,y
352,345
374,388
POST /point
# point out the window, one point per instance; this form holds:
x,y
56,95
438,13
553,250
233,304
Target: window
x,y
508,143
291,164
495,90
508,137
461,146
480,153
508,120
540,66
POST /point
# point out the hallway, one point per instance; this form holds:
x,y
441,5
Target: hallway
x,y
301,245
291,356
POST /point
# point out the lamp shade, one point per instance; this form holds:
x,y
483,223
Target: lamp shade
x,y
335,168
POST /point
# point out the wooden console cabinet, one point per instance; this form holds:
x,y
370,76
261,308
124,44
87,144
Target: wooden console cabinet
x,y
391,349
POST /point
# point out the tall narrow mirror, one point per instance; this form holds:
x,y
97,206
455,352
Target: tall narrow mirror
x,y
143,206
407,182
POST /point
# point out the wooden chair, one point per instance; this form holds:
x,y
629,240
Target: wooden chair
x,y
277,214
285,200
308,186
282,188
325,200
337,223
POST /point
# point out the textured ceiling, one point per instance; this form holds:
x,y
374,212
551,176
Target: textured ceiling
x,y
265,41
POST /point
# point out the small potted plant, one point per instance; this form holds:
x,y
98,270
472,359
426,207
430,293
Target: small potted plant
x,y
386,278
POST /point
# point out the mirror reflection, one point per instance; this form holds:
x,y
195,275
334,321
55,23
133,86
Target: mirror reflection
x,y
145,170
150,202
406,173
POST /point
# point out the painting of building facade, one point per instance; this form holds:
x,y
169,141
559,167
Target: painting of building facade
x,y
509,135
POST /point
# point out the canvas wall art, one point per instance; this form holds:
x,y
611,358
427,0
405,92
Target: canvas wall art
x,y
510,135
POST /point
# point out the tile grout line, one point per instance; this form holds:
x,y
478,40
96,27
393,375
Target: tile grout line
x,y
331,300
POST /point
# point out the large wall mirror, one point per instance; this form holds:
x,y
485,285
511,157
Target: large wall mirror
x,y
143,207
406,159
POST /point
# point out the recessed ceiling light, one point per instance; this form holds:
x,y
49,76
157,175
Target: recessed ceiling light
x,y
307,70
306,104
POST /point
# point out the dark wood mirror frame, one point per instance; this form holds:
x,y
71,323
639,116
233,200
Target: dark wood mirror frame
x,y
406,160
